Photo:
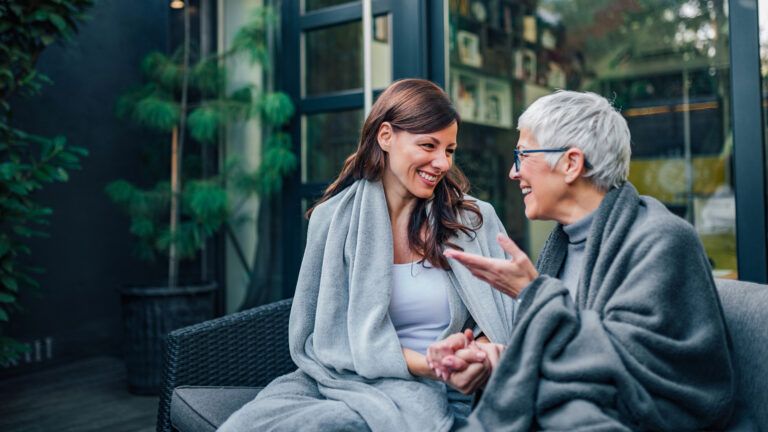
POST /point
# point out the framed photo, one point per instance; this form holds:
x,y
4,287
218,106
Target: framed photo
x,y
548,39
497,106
466,96
482,100
529,28
381,29
469,48
525,65
555,76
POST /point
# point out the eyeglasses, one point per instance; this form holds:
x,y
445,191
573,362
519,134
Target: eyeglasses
x,y
519,153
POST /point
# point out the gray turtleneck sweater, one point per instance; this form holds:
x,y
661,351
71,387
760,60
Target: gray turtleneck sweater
x,y
574,260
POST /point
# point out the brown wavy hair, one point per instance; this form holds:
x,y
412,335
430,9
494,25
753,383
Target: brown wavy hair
x,y
416,106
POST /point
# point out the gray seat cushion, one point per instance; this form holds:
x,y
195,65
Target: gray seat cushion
x,y
745,306
196,409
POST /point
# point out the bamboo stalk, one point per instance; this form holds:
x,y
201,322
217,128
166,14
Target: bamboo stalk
x,y
176,160
173,259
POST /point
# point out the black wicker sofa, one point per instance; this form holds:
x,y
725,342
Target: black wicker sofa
x,y
212,369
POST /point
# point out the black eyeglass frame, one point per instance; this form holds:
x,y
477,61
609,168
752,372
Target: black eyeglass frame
x,y
524,152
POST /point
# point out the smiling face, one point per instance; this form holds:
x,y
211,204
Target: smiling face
x,y
543,187
416,162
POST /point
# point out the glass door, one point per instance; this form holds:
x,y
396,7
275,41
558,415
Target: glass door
x,y
323,72
666,68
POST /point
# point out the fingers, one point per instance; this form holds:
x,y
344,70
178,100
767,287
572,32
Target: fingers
x,y
471,355
454,364
469,335
469,260
492,351
469,380
437,350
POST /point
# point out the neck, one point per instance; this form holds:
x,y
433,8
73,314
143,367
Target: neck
x,y
399,201
584,199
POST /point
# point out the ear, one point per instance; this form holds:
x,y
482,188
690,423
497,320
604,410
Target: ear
x,y
384,136
573,164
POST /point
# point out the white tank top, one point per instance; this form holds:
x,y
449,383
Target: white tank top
x,y
419,306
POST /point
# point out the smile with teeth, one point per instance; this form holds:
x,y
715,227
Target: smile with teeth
x,y
429,177
526,190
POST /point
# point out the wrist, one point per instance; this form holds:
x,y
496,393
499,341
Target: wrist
x,y
417,364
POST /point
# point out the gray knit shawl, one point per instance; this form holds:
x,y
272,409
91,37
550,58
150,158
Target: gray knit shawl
x,y
352,374
644,347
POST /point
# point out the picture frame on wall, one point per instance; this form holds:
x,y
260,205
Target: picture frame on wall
x,y
497,106
525,65
530,29
469,48
381,29
466,96
482,100
555,76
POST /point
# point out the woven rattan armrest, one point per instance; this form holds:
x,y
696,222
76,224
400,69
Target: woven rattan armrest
x,y
248,348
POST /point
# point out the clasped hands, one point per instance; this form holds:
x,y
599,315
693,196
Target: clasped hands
x,y
460,360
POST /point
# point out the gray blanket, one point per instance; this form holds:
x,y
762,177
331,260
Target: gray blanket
x,y
645,346
352,374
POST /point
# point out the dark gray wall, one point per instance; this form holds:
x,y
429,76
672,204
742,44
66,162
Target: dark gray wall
x,y
88,255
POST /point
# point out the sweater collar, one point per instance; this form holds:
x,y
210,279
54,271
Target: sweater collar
x,y
577,232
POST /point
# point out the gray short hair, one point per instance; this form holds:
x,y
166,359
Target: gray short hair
x,y
586,121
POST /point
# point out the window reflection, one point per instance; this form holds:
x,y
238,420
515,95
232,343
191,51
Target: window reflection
x,y
333,57
665,67
328,139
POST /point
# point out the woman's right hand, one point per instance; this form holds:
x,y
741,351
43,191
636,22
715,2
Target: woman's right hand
x,y
470,369
441,350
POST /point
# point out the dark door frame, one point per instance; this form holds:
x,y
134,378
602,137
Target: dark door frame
x,y
748,142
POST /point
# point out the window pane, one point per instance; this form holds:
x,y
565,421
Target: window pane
x,y
327,140
310,5
666,68
333,59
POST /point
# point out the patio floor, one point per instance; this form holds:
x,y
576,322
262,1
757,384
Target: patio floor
x,y
87,395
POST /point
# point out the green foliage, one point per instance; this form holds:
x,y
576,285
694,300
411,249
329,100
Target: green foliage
x,y
205,204
26,29
29,161
252,37
278,162
204,123
276,108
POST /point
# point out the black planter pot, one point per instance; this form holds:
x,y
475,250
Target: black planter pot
x,y
149,314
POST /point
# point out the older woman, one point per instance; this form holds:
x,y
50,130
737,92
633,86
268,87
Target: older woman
x,y
619,325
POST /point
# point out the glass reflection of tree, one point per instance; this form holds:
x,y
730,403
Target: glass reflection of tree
x,y
617,35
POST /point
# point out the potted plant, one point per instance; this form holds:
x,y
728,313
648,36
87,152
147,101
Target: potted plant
x,y
184,98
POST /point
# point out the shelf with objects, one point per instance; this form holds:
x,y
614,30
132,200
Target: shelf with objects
x,y
497,49
503,54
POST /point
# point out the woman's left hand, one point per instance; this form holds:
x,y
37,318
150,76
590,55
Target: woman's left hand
x,y
508,276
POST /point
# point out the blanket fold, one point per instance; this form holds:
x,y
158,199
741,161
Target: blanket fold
x,y
341,337
644,346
